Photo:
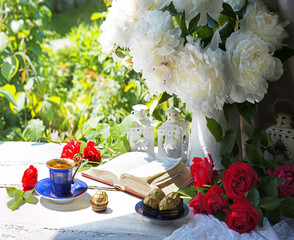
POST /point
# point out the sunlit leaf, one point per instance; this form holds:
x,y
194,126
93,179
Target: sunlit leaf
x,y
9,67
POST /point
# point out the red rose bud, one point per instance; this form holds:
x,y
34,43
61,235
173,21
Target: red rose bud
x,y
29,178
197,203
70,149
202,171
214,201
286,189
238,179
91,152
243,218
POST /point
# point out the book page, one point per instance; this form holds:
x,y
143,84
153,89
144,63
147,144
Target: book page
x,y
119,165
153,169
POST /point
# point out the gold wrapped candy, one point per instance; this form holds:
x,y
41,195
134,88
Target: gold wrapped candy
x,y
175,196
99,201
157,193
151,201
167,203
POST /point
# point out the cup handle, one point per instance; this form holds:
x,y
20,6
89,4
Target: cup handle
x,y
78,159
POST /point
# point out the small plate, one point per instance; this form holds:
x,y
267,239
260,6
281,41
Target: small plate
x,y
159,220
43,188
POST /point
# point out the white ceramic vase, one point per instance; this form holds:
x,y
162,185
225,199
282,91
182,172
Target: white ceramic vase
x,y
204,143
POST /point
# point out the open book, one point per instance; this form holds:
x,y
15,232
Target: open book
x,y
138,173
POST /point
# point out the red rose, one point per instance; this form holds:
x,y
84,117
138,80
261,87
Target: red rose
x,y
91,152
238,179
286,189
29,178
197,203
202,171
243,217
214,201
70,149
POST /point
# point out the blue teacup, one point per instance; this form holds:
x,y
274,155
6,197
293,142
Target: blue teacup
x,y
60,170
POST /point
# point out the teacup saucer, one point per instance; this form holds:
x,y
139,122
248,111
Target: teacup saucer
x,y
43,188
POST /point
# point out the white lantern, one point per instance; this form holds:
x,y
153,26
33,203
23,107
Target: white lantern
x,y
141,135
174,136
282,136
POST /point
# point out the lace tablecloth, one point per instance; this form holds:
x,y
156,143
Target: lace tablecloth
x,y
207,227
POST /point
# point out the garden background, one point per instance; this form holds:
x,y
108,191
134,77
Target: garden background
x,y
56,84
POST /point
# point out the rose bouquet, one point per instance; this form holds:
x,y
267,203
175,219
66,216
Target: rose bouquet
x,y
91,154
208,53
238,195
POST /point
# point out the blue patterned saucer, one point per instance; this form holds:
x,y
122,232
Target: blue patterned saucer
x,y
43,188
160,220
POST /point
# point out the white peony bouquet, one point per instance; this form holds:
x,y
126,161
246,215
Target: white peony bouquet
x,y
207,52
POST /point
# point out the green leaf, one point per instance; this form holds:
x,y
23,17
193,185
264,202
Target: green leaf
x,y
193,24
34,129
20,102
270,203
284,54
264,139
255,156
220,216
126,124
11,191
271,149
124,145
287,207
32,200
97,15
8,96
15,203
211,22
228,108
253,197
91,135
9,67
228,142
104,130
204,32
249,130
27,194
114,131
214,128
228,11
273,216
247,111
269,185
26,58
164,97
191,191
184,26
260,220
120,54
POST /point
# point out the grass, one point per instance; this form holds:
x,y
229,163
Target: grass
x,y
61,23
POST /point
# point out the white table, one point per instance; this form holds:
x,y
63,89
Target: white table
x,y
75,220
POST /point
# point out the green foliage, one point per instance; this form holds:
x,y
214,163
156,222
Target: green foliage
x,y
19,198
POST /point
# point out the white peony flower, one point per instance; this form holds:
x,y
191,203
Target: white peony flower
x,y
3,41
250,65
152,48
203,7
120,21
236,4
199,75
264,24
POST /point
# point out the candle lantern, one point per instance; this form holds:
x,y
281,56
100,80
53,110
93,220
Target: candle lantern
x,y
141,135
282,136
174,136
